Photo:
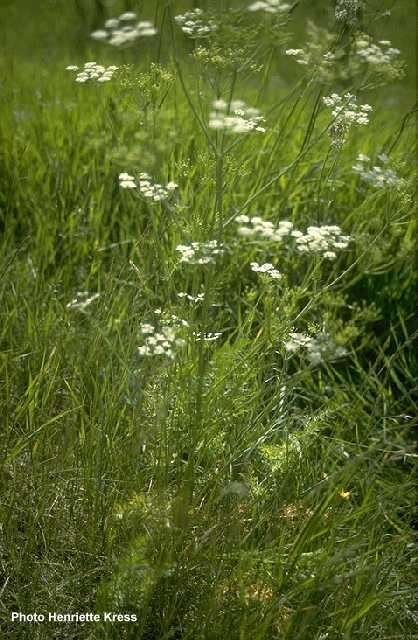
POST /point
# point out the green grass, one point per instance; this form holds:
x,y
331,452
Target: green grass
x,y
238,491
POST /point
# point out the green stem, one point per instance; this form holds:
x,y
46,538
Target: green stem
x,y
219,187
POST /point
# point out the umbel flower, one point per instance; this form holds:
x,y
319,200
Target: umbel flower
x,y
194,24
163,340
93,71
211,336
329,62
257,228
379,175
200,252
124,30
381,53
378,57
300,54
346,113
347,11
269,6
318,348
194,299
266,268
322,240
149,190
236,117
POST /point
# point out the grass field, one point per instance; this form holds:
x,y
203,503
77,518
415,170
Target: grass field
x,y
208,364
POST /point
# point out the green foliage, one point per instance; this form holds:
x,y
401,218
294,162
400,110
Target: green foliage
x,y
260,484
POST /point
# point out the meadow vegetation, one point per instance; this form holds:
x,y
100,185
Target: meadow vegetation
x,y
208,319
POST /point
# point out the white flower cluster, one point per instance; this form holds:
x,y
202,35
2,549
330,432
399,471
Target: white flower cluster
x,y
347,10
319,348
319,240
193,24
269,6
126,181
200,252
152,191
266,268
256,227
124,30
319,55
194,299
378,175
162,341
305,57
300,54
322,240
346,112
93,71
82,300
236,117
381,53
207,337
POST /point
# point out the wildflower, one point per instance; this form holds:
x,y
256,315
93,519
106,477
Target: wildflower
x,y
345,495
147,328
293,52
207,337
194,25
112,23
128,15
285,228
152,191
346,112
322,240
297,340
220,104
313,55
162,341
319,55
200,252
127,181
347,11
379,175
375,54
179,322
302,57
266,268
119,34
100,34
239,118
319,348
82,300
323,348
93,71
194,299
255,227
270,6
